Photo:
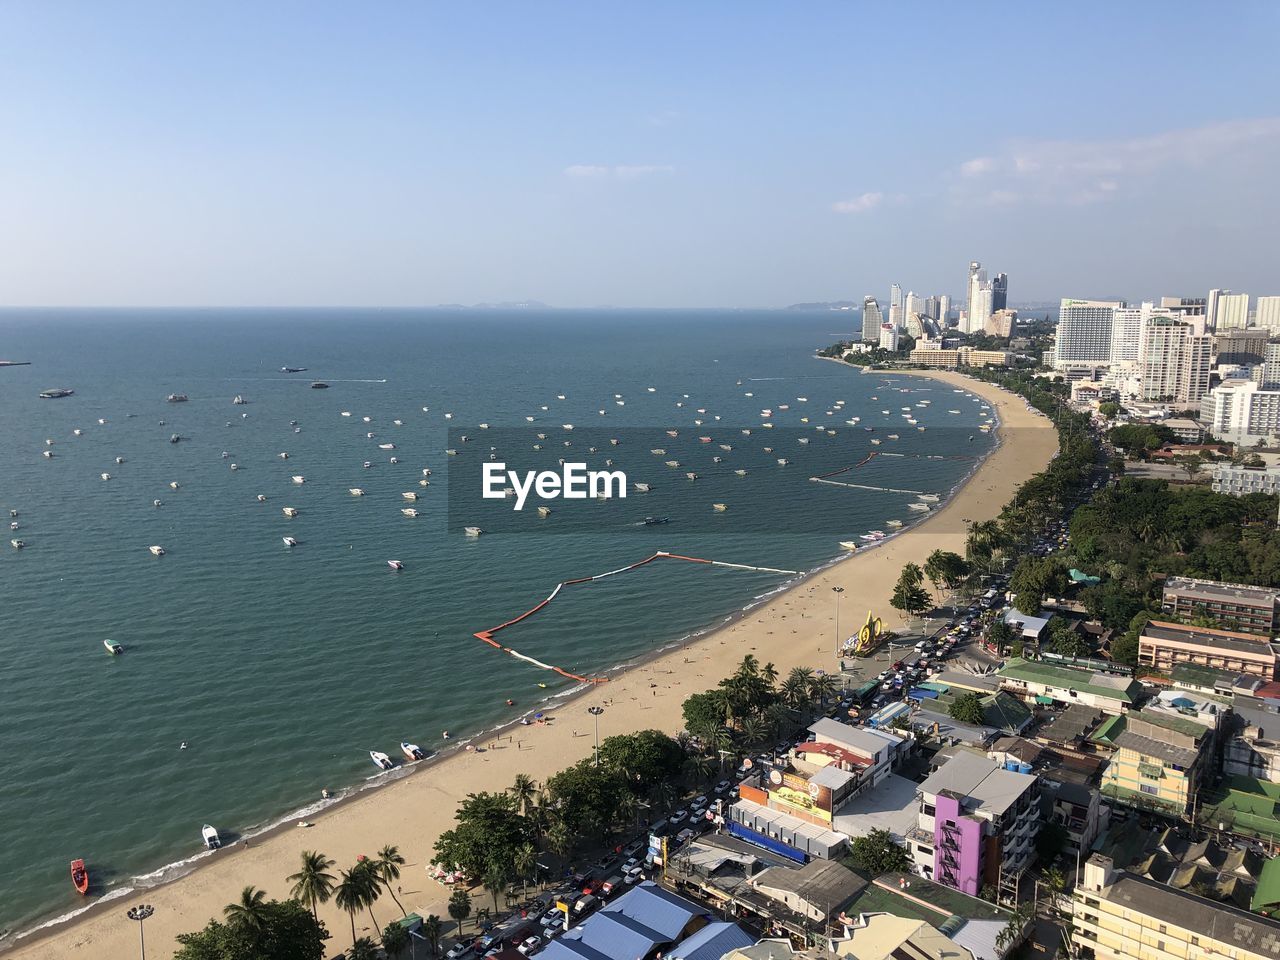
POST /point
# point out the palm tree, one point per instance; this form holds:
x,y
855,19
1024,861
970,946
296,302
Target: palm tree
x,y
749,667
525,861
559,839
523,789
701,766
313,884
433,930
349,894
249,914
363,949
823,687
754,732
769,673
387,867
372,881
495,881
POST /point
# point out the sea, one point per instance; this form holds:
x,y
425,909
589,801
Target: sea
x,y
279,668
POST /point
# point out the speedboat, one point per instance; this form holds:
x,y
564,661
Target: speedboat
x,y
356,492
106,476
741,473
239,401
289,541
783,461
293,369
210,837
381,760
177,398
928,498
299,479
55,394
156,550
319,385
262,498
719,507
284,456
17,544
386,446
113,648
641,487
290,511
409,495
472,531
157,503
412,750
654,521
919,507
409,512
79,877
119,459
173,485
395,564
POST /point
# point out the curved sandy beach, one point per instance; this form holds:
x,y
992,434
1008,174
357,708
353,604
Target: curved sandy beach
x,y
794,628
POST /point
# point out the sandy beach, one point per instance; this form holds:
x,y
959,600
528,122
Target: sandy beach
x,y
794,628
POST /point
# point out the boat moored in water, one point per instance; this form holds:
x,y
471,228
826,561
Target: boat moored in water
x,y
210,837
412,750
113,648
177,398
395,564
381,760
57,394
156,550
79,877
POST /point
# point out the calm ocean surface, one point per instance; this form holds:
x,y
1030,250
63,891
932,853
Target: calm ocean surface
x,y
282,667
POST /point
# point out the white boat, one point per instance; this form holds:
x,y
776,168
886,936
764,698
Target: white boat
x,y
719,507
928,498
17,544
395,564
451,452
119,459
289,541
48,454
848,545
76,431
544,511
394,460
472,531
284,456
673,463
48,441
239,401
381,760
398,423
409,512
299,479
156,550
919,507
174,485
113,648
157,503
567,426
783,461
424,482
409,495
658,451
426,471
893,523
691,476
356,491
262,498
641,487
412,750
741,473
346,413
235,466
106,476
482,426
367,464
290,511
210,837
386,446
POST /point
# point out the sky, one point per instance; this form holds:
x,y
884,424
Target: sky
x,y
639,154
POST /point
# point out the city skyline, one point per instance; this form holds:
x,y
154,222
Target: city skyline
x,y
578,156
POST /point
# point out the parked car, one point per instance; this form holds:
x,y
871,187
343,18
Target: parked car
x,y
529,945
679,817
460,951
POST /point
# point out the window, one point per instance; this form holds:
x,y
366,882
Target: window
x,y
929,809
1148,788
1163,929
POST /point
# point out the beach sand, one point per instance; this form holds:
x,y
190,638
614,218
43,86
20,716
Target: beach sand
x,y
794,628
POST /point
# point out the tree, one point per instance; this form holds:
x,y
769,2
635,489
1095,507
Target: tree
x,y
1034,579
967,708
878,853
703,712
394,938
387,868
363,949
1012,933
313,884
1051,841
248,915
460,906
908,595
642,757
432,931
287,931
488,828
495,881
523,790
525,862
1002,634
350,894
944,568
371,882
1110,409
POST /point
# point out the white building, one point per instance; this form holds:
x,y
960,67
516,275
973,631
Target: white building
x,y
1241,412
895,306
881,747
1174,363
1084,333
871,320
1126,333
944,310
889,335
1267,314
1238,481
1233,311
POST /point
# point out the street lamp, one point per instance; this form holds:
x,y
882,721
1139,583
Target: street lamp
x,y
837,591
595,719
140,913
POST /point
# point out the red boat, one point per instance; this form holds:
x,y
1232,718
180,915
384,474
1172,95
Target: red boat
x,y
80,876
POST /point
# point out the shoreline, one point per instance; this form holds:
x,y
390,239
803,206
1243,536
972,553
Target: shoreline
x,y
366,815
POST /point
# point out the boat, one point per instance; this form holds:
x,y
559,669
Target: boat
x,y
641,487
691,476
177,398
719,507
283,455
409,495
290,511
472,531
239,401
356,492
106,476
717,459
386,446
412,750
289,541
77,431
783,461
409,512
17,544
655,521
741,473
928,498
119,459
79,877
262,498
659,451
173,485
48,454
235,466
55,394
299,479
174,438
157,503
848,545
210,837
368,464
345,413
319,385
544,511
673,463
451,452
293,369
893,523
381,760
156,550
919,507
113,648
395,564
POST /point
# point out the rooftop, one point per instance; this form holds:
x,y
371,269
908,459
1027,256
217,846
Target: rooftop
x,y
967,681
980,779
864,741
1123,689
1207,637
1070,725
1167,721
1217,590
712,942
823,883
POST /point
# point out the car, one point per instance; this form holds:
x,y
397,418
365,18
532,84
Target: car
x,y
679,817
631,864
722,786
553,918
700,803
684,836
460,951
529,945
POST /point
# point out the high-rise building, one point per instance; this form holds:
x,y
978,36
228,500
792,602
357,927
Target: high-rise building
x,y
931,308
980,311
1126,334
944,311
912,305
1240,411
1084,333
999,292
1211,309
977,277
895,306
1241,347
1001,323
871,320
1233,311
889,336
1267,315
1174,362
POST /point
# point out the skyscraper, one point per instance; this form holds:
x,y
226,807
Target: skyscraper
x,y
871,320
889,337
1000,292
1267,316
944,311
980,309
977,277
1232,312
1174,361
912,306
1084,333
895,306
931,308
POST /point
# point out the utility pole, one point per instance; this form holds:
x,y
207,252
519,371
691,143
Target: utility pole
x,y
140,913
837,591
595,718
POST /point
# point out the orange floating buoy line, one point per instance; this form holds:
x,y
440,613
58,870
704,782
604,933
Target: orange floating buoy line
x,y
487,635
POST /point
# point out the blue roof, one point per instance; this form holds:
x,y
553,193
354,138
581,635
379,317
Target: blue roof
x,y
617,935
563,949
712,942
664,913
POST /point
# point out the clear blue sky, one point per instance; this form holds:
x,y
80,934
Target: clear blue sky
x,y
632,153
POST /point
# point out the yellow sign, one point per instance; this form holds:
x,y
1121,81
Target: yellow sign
x,y
869,633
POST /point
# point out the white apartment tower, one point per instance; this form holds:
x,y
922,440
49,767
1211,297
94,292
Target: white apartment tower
x,y
1267,315
1225,310
1174,361
871,320
1084,333
889,336
944,310
1241,412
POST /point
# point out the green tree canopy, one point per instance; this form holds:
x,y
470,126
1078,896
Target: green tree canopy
x,y
642,758
489,828
967,708
287,931
878,853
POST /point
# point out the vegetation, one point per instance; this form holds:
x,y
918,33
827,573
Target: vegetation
x,y
394,939
909,595
257,929
313,884
967,708
1035,579
1139,439
460,906
946,569
878,853
1051,841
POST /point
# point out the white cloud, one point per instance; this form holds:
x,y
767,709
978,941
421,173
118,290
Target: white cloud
x,y
621,171
1088,171
859,204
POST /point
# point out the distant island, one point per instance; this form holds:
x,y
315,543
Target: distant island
x,y
826,305
505,305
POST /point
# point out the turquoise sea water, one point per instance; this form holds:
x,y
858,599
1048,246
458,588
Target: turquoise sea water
x,y
282,667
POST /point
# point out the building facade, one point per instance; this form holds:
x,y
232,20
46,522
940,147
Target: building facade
x,y
1241,412
1267,315
1084,333
1239,481
1163,645
1159,762
871,320
1235,606
1175,363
